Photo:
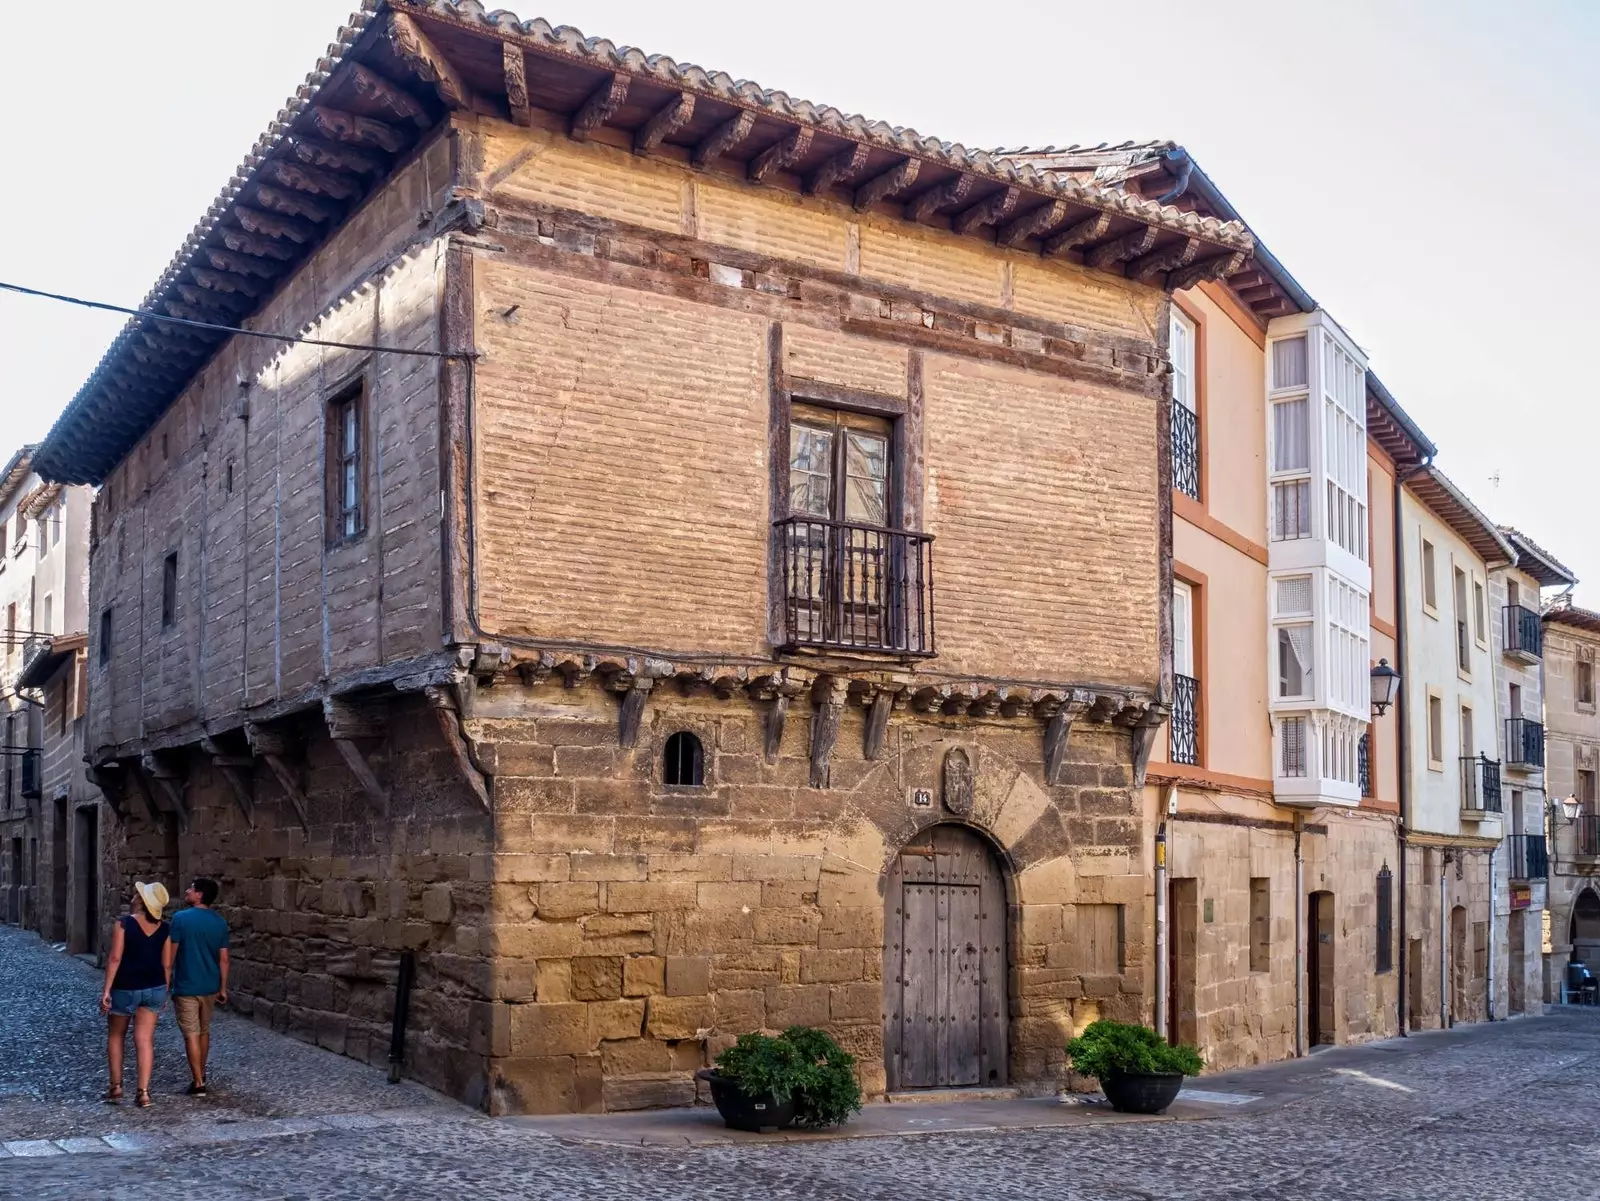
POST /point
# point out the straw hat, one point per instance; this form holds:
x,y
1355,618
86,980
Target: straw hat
x,y
154,897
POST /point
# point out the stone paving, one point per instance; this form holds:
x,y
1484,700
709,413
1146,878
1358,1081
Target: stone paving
x,y
1495,1111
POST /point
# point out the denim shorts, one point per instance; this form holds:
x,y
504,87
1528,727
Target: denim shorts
x,y
125,1000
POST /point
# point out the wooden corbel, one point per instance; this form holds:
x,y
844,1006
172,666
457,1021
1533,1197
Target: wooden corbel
x,y
422,56
347,721
989,211
239,773
1129,246
1145,718
1160,262
878,710
1090,229
1036,221
828,699
666,121
602,102
724,138
515,66
444,710
136,782
168,777
895,179
787,151
632,714
841,168
276,749
1212,268
1057,729
952,191
108,778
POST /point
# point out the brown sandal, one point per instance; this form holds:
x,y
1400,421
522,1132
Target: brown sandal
x,y
113,1095
142,1098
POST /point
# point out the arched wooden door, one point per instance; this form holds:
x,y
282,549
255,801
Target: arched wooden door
x,y
945,963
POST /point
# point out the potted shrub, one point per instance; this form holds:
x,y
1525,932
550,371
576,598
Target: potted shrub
x,y
763,1083
1137,1070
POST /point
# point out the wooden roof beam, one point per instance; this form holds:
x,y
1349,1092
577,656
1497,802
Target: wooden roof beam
x,y
241,264
1216,267
989,211
1035,221
879,187
313,180
314,152
357,131
951,191
724,137
224,281
1129,246
293,203
598,108
668,119
1180,254
514,67
229,304
786,151
838,168
399,103
1090,229
419,53
240,242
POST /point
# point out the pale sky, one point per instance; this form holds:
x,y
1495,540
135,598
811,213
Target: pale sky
x,y
1428,172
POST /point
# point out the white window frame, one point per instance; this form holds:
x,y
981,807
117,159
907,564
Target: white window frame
x,y
1180,348
1183,628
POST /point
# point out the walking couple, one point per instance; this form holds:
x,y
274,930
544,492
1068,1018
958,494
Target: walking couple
x,y
153,958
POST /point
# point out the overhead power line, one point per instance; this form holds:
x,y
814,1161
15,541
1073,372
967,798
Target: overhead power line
x,y
148,315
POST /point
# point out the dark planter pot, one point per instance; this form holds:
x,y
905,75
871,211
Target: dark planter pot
x,y
759,1115
1141,1092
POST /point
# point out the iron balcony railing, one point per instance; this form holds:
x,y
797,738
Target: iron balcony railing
x,y
1524,635
856,587
1524,742
1186,720
1185,451
1529,857
32,776
1364,764
1588,835
1480,784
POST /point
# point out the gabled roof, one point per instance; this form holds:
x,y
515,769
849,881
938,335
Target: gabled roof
x,y
18,469
1392,428
400,66
1538,562
1166,173
1562,611
1434,489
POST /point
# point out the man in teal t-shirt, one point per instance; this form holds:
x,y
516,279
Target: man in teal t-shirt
x,y
197,973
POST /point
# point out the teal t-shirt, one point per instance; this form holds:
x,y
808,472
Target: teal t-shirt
x,y
199,934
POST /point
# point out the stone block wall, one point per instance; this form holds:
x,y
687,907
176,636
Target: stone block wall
x,y
319,918
636,929
1466,884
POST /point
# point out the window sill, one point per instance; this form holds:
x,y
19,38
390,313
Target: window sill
x,y
1430,611
1436,765
1464,676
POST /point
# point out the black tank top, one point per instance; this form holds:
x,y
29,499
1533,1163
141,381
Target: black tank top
x,y
141,956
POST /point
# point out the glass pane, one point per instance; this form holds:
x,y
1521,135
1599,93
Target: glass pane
x,y
1291,445
810,471
347,419
866,478
1289,363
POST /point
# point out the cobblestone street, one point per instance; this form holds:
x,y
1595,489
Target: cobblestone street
x,y
1494,1111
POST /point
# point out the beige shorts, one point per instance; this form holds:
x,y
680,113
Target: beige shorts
x,y
194,1013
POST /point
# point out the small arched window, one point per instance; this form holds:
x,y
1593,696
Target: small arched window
x,y
684,762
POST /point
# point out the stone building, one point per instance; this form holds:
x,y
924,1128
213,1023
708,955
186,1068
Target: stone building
x,y
44,579
1276,787
677,561
1572,763
1521,861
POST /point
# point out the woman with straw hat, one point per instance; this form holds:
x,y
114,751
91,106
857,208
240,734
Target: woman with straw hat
x,y
136,987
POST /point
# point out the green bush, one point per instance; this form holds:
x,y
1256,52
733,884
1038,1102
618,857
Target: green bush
x,y
1107,1047
801,1063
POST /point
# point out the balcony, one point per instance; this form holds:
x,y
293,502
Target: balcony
x,y
1185,725
1185,451
1480,788
1524,634
1524,743
32,775
855,587
1528,857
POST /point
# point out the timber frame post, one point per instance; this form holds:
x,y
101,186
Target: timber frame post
x,y
278,750
238,771
168,775
349,720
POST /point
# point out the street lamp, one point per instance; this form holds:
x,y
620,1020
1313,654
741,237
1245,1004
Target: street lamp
x,y
1385,682
1571,807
